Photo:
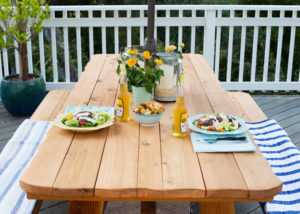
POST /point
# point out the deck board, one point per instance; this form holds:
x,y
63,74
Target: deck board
x,y
284,109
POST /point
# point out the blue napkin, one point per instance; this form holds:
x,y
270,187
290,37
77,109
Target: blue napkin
x,y
222,146
107,109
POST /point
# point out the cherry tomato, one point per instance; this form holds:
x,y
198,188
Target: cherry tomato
x,y
221,130
212,128
82,124
198,125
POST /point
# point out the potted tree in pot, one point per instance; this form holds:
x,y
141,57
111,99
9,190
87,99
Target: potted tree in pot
x,y
21,21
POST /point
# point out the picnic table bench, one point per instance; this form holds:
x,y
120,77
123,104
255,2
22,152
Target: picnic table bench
x,y
130,162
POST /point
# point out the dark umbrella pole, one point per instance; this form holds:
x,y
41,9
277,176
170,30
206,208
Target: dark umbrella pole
x,y
150,44
149,207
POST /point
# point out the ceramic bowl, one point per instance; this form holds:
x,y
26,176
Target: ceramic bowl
x,y
148,120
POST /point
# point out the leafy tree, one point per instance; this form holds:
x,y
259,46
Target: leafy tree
x,y
21,21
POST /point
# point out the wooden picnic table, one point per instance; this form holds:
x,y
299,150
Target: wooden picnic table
x,y
128,161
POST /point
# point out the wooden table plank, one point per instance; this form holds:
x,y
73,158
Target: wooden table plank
x,y
49,105
117,177
78,173
60,104
182,177
220,182
149,164
42,172
253,166
268,184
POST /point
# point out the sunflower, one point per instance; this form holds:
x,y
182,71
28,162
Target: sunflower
x,y
170,48
131,62
147,55
132,52
159,61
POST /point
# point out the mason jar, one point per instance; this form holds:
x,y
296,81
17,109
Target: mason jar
x,y
172,66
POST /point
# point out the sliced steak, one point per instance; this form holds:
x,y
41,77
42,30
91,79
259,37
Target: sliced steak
x,y
208,122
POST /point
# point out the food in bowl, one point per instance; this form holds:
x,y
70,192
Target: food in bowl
x,y
85,119
150,108
149,114
218,122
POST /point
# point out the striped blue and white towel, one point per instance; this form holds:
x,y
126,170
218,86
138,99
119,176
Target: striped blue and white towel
x,y
14,159
284,158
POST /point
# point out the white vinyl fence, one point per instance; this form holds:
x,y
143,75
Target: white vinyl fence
x,y
205,25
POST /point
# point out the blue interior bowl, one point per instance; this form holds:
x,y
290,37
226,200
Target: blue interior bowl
x,y
148,120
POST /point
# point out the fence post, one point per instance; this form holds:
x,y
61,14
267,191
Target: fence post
x,y
209,36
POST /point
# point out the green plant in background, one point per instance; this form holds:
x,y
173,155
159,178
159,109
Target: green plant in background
x,y
137,75
21,21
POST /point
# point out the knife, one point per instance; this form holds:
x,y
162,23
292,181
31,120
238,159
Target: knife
x,y
213,140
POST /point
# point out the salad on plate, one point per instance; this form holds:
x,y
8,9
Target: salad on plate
x,y
218,122
85,119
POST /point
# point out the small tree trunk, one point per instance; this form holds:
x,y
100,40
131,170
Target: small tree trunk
x,y
24,62
21,76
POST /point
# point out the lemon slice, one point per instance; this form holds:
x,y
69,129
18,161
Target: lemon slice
x,y
181,78
123,68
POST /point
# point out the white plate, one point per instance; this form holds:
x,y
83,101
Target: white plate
x,y
240,130
58,122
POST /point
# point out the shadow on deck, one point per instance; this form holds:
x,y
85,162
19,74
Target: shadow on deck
x,y
284,109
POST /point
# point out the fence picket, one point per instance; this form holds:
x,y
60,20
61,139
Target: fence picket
x,y
291,50
229,56
141,29
5,62
78,46
29,56
180,30
54,54
267,50
209,36
16,58
218,46
167,32
128,30
193,33
103,33
42,54
116,34
242,50
279,48
91,35
254,50
66,49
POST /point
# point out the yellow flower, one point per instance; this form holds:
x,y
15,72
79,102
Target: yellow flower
x,y
170,48
132,52
159,61
131,62
182,45
147,55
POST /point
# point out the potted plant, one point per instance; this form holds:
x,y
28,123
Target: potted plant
x,y
20,22
142,80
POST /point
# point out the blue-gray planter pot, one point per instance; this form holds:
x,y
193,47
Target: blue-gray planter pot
x,y
21,98
140,95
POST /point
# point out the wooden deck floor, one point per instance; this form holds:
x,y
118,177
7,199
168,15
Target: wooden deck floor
x,y
284,109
